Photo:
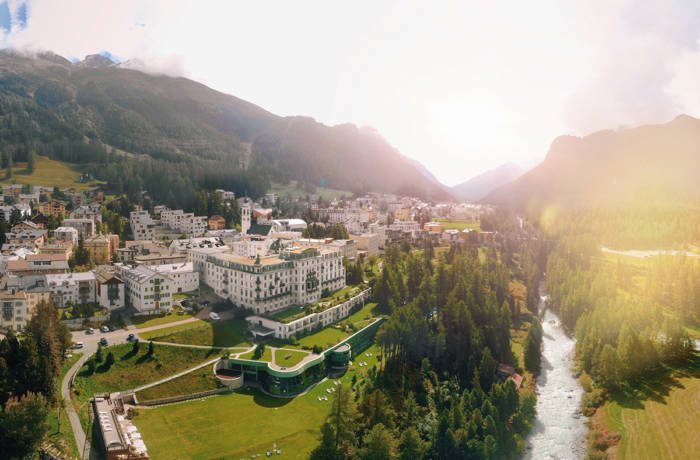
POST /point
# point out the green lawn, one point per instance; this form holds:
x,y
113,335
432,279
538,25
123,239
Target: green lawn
x,y
292,191
661,426
459,224
199,380
266,356
289,314
144,321
227,333
243,423
62,439
289,358
129,370
47,172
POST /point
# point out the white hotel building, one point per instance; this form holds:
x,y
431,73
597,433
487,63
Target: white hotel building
x,y
183,275
297,276
147,291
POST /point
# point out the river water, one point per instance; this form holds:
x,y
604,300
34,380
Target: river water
x,y
560,429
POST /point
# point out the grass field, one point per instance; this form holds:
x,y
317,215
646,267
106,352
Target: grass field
x,y
253,423
289,358
47,172
662,425
227,333
266,356
292,191
459,224
200,380
130,371
144,321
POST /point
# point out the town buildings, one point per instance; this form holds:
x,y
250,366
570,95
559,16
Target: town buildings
x,y
147,291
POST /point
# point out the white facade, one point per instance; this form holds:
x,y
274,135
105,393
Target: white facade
x,y
288,225
406,226
312,321
246,215
68,234
143,226
184,277
185,222
147,291
85,227
14,311
73,288
198,257
24,209
297,277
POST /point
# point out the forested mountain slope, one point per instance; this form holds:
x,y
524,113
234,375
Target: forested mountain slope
x,y
654,164
86,112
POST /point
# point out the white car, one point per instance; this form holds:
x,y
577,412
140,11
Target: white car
x,y
78,345
214,316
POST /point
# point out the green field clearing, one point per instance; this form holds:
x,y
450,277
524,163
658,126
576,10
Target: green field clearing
x,y
661,426
47,172
144,321
225,333
266,356
459,224
196,381
289,358
291,190
257,421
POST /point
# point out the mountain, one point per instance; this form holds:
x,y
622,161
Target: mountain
x,y
63,110
479,186
648,164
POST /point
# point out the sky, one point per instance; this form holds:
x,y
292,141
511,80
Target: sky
x,y
460,86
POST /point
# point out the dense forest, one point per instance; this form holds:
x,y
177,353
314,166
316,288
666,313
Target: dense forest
x,y
29,370
628,314
437,394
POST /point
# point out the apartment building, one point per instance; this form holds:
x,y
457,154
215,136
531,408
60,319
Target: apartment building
x,y
14,310
73,288
85,227
143,226
185,222
66,234
147,291
183,275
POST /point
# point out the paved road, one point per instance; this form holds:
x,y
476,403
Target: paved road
x,y
90,342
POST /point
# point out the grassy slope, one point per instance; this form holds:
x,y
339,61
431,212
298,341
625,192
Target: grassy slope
x,y
291,191
662,425
200,380
47,172
256,421
266,356
129,371
63,440
459,224
144,321
228,333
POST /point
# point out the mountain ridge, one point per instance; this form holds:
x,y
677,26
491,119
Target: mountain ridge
x,y
650,163
477,187
176,119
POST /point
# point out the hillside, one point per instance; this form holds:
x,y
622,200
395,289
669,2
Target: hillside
x,y
92,111
653,164
481,185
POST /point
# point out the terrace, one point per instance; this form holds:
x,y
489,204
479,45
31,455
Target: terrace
x,y
293,313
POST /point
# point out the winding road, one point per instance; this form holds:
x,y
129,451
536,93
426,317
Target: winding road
x,y
90,342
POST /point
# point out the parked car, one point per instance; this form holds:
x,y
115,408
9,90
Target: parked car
x,y
104,328
204,302
78,345
89,330
103,342
214,316
131,338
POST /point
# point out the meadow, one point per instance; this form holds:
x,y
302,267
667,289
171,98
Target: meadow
x,y
47,172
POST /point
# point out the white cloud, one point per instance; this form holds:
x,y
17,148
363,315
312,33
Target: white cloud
x,y
460,86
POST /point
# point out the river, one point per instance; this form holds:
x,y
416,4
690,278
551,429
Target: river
x,y
560,429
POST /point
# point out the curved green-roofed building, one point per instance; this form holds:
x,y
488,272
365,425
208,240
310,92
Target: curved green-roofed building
x,y
292,381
